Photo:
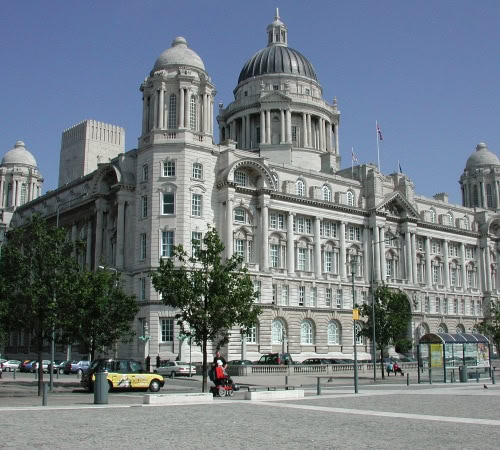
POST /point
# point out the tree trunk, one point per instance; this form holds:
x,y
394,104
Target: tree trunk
x,y
204,384
382,368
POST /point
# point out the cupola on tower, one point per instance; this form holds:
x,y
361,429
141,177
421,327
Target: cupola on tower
x,y
279,110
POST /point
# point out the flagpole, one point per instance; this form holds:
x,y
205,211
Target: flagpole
x,y
378,150
352,163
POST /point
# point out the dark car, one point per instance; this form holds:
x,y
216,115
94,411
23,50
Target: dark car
x,y
240,362
276,359
311,361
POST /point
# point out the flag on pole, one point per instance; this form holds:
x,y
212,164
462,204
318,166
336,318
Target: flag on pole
x,y
400,169
353,155
379,132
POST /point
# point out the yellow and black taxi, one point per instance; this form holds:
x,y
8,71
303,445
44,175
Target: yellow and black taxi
x,y
122,374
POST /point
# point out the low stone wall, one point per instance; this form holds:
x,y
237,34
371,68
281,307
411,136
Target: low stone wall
x,y
274,395
165,399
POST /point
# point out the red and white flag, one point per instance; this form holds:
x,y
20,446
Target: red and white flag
x,y
379,133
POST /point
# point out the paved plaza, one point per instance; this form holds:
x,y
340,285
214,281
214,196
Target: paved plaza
x,y
385,415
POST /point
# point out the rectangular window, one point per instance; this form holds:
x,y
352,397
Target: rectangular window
x,y
167,330
294,134
438,305
258,134
197,171
240,178
167,244
257,288
142,288
302,295
340,299
284,295
169,168
143,246
281,222
275,294
274,255
300,224
354,233
252,335
168,206
427,305
196,205
301,259
420,244
328,298
455,306
196,242
435,274
239,215
313,293
145,172
463,307
144,206
308,226
239,248
273,220
328,261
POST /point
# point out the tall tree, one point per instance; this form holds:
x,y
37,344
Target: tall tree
x,y
490,326
392,317
37,272
100,313
211,293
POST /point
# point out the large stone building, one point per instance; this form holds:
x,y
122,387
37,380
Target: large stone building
x,y
275,191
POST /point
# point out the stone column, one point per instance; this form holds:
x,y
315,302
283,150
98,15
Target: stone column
x,y
181,109
144,114
336,131
414,258
187,110
161,109
232,126
265,236
409,274
249,141
268,127
290,245
120,233
488,269
243,133
483,198
366,251
211,114
464,267
88,255
262,127
309,131
154,110
317,247
383,273
428,268
321,132
74,237
204,110
304,129
376,253
342,262
288,126
229,226
446,271
328,136
98,232
282,134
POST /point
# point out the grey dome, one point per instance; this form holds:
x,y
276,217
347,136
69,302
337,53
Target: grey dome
x,y
19,156
179,54
277,59
482,157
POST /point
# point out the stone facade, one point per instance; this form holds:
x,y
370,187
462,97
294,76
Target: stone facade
x,y
274,190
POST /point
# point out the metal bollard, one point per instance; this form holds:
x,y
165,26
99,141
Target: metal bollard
x,y
36,375
57,373
15,370
318,390
493,377
477,376
286,381
430,375
45,391
407,379
101,388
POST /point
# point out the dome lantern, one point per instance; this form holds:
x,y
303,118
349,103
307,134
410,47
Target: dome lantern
x,y
277,32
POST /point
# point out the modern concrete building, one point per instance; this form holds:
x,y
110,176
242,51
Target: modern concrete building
x,y
275,191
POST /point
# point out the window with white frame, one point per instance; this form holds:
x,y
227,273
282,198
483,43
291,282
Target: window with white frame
x,y
196,203
143,243
167,244
239,247
145,172
453,275
240,215
438,305
300,224
446,306
453,250
168,203
276,221
466,223
340,299
196,238
302,295
300,188
144,206
169,168
252,334
308,226
275,294
294,134
328,261
167,330
427,305
258,289
142,288
277,331
432,216
306,332
354,233
240,178
197,171
172,111
327,193
435,274
333,333
420,244
284,295
328,297
462,307
449,219
455,306
350,198
328,229
313,294
274,252
301,256
192,113
489,196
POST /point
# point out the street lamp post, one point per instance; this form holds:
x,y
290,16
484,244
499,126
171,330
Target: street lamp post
x,y
354,263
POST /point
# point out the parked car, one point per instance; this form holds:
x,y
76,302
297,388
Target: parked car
x,y
78,367
26,365
240,362
59,365
315,361
276,359
45,366
122,374
175,368
11,364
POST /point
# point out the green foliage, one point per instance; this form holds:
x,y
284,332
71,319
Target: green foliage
x,y
490,326
212,294
392,317
99,313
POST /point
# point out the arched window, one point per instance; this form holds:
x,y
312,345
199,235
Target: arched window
x,y
432,216
172,111
460,329
475,196
306,333
192,113
327,193
350,198
277,331
300,188
442,328
333,333
276,180
197,171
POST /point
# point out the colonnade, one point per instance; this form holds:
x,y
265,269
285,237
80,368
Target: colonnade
x,y
473,188
12,197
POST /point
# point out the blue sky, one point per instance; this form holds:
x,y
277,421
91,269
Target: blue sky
x,y
428,71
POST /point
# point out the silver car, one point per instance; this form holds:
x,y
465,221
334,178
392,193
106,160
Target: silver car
x,y
174,368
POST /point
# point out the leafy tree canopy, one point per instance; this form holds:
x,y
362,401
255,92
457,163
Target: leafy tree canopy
x,y
490,326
